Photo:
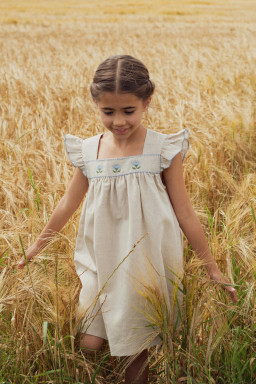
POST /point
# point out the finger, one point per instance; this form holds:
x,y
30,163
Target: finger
x,y
21,263
232,293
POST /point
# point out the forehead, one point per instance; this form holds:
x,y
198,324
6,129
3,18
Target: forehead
x,y
118,100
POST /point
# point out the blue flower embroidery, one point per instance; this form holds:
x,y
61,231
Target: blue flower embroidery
x,y
116,168
136,164
99,169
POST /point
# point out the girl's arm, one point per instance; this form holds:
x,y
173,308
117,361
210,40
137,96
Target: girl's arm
x,y
190,223
63,211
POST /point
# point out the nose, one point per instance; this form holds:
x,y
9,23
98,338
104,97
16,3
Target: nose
x,y
119,120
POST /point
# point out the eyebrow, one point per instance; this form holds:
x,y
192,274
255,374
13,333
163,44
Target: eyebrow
x,y
111,109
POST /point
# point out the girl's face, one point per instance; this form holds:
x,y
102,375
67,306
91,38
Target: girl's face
x,y
121,113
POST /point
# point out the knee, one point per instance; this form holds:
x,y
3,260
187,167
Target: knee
x,y
90,343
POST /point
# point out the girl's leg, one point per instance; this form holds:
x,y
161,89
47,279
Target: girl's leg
x,y
91,349
91,343
133,374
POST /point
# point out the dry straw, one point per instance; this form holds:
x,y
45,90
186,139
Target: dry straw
x,y
205,77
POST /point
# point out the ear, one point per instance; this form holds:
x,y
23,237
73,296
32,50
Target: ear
x,y
147,102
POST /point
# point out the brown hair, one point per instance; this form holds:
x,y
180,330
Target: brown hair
x,y
122,74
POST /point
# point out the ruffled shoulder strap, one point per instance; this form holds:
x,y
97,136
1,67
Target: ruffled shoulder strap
x,y
173,144
73,145
80,151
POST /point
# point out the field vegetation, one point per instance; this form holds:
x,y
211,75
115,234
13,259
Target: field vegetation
x,y
202,57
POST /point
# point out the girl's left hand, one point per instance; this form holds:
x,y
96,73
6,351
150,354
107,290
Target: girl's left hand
x,y
221,279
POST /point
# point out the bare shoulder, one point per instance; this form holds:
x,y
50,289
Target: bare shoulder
x,y
174,173
176,187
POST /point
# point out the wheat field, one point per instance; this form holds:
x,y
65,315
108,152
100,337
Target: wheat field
x,y
202,58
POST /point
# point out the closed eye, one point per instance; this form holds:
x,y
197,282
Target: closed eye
x,y
128,112
111,112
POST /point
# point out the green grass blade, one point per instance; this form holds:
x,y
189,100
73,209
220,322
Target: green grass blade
x,y
31,178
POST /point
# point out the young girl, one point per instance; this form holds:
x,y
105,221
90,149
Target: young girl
x,y
136,200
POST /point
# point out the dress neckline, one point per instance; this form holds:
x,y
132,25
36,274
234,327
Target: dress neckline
x,y
123,157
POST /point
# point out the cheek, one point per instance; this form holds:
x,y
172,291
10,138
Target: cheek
x,y
105,119
135,118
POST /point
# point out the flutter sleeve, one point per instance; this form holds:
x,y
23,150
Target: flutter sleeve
x,y
74,149
172,145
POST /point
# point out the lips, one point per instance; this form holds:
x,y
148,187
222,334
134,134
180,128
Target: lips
x,y
121,130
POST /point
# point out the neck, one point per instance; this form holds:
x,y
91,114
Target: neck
x,y
129,138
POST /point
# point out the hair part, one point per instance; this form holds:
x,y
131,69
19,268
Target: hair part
x,y
122,74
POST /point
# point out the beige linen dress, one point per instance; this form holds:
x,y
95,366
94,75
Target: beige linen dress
x,y
127,201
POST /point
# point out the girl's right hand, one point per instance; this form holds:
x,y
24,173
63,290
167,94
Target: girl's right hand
x,y
31,252
63,211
